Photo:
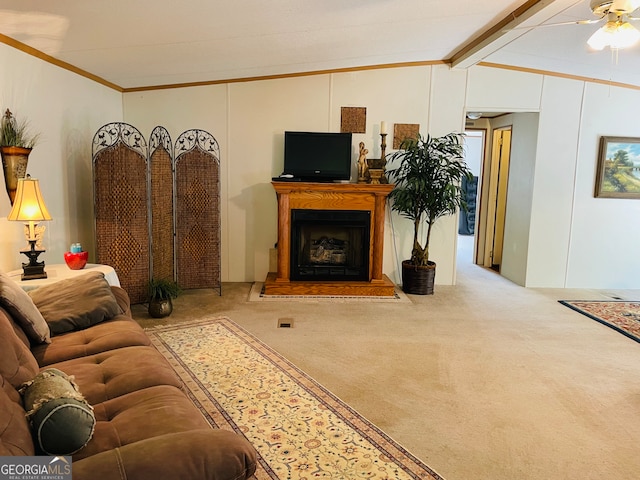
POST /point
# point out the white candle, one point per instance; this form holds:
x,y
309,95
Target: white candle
x,y
383,127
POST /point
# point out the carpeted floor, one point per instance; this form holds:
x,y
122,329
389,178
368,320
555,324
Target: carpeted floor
x,y
299,428
484,380
620,315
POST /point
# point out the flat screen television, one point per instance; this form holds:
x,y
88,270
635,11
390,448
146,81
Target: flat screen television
x,y
317,156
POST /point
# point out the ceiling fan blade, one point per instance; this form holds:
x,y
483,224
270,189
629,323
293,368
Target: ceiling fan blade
x,y
585,22
624,6
574,22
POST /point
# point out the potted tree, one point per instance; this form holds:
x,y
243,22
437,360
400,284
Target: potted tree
x,y
427,179
161,293
16,144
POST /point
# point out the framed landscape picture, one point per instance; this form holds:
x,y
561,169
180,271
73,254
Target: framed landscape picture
x,y
618,174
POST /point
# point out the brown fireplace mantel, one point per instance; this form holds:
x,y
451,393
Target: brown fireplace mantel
x,y
330,196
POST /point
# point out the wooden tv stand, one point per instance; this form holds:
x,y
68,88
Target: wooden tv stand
x,y
330,196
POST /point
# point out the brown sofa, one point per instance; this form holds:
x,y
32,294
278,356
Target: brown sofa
x,y
145,426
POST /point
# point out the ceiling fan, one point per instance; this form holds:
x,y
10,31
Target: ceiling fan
x,y
617,31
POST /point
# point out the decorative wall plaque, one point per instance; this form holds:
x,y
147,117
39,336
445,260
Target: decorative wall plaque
x,y
401,131
353,119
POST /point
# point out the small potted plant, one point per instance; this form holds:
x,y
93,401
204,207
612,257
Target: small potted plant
x,y
161,294
427,186
16,143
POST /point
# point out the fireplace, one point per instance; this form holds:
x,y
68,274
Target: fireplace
x,y
330,240
330,245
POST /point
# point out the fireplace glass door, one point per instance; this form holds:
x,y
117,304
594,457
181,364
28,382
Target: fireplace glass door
x,y
330,245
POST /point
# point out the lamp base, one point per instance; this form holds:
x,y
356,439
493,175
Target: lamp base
x,y
30,273
34,269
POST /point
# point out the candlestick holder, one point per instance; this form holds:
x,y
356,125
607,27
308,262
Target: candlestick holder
x,y
377,170
376,176
376,167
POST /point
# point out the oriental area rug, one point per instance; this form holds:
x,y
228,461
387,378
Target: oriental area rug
x,y
623,316
299,429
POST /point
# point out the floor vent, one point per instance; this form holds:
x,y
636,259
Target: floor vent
x,y
285,323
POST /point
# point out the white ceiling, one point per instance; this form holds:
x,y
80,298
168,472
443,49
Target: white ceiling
x,y
146,43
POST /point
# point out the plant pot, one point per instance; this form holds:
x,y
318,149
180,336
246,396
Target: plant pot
x,y
160,308
418,280
14,165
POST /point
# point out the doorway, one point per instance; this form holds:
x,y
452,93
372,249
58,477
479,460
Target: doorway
x,y
474,154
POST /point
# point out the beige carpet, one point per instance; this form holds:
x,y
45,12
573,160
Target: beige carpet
x,y
485,380
299,428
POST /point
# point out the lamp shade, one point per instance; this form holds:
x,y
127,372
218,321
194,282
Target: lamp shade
x,y
28,205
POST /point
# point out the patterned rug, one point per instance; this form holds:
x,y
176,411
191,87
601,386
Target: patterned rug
x,y
622,316
300,429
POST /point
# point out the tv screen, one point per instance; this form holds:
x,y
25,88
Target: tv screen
x,y
317,156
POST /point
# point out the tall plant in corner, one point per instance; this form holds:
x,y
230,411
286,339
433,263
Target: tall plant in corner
x,y
427,182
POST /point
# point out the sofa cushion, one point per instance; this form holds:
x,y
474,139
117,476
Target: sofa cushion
x,y
119,332
15,436
146,413
20,306
62,421
114,373
196,454
122,297
76,303
17,364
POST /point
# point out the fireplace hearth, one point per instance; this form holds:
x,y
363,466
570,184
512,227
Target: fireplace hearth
x,y
330,245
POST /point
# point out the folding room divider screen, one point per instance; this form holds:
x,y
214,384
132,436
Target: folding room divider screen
x,y
162,194
197,219
157,207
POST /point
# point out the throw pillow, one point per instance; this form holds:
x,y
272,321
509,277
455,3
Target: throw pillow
x,y
23,311
76,303
61,420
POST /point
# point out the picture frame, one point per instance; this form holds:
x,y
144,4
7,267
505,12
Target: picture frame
x,y
618,171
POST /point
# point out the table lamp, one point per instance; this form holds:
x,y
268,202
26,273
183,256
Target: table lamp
x,y
28,206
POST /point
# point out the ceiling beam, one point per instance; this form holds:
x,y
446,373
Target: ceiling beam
x,y
511,27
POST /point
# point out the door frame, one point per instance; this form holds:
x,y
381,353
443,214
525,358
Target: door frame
x,y
493,198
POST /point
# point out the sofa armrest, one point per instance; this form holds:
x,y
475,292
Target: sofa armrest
x,y
122,297
210,454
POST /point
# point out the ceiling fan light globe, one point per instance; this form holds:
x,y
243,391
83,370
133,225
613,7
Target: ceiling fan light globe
x,y
616,35
602,37
626,36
